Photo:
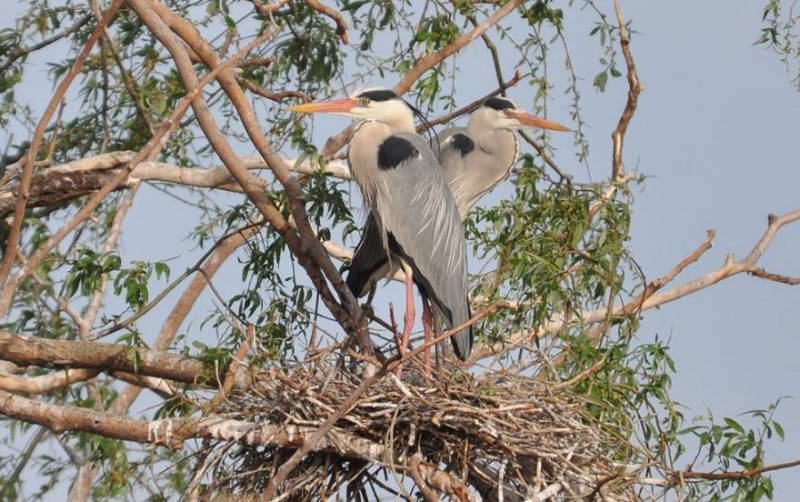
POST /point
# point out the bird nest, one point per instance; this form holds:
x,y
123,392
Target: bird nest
x,y
464,437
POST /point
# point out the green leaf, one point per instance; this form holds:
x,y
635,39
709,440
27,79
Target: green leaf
x,y
600,80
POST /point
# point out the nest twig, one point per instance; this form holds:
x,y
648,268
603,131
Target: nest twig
x,y
480,435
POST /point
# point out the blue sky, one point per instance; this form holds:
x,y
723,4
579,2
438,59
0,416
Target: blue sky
x,y
716,133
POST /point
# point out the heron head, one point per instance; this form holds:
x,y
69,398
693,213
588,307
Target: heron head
x,y
502,113
382,105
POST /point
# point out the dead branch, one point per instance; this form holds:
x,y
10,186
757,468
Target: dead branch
x,y
336,16
634,89
638,304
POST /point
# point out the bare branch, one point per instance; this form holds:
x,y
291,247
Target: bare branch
x,y
304,246
173,432
640,304
634,89
45,383
336,16
47,353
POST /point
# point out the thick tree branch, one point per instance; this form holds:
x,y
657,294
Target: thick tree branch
x,y
47,353
304,246
151,149
173,432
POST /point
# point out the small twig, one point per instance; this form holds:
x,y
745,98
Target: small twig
x,y
44,43
746,474
336,16
278,97
785,279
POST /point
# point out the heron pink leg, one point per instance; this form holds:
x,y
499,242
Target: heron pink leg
x,y
408,320
427,323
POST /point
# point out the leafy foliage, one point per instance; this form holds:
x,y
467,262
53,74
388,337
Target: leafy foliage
x,y
557,247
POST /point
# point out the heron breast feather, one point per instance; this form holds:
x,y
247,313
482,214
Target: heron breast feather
x,y
395,150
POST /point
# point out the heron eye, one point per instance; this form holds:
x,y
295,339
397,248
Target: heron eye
x,y
365,101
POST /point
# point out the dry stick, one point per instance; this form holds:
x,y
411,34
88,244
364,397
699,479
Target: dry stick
x,y
746,474
152,148
336,16
729,268
306,247
38,135
388,366
425,63
634,89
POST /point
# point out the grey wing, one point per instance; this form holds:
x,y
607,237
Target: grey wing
x,y
421,220
370,261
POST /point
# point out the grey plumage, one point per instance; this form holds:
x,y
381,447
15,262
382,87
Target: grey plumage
x,y
414,218
474,159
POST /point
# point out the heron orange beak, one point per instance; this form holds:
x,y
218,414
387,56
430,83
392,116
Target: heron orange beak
x,y
333,106
530,120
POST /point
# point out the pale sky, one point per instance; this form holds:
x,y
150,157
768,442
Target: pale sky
x,y
715,131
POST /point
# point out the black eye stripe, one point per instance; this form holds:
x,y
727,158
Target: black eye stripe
x,y
379,95
498,103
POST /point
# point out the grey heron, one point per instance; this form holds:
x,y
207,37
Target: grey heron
x,y
414,217
474,160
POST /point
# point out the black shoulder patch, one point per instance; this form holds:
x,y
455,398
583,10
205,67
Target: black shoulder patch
x,y
462,143
497,103
379,95
393,151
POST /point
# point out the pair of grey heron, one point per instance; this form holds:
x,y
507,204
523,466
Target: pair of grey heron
x,y
418,199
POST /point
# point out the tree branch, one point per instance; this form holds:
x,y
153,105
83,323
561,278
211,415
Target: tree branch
x,y
634,89
44,43
173,432
38,135
640,304
304,246
47,353
336,16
